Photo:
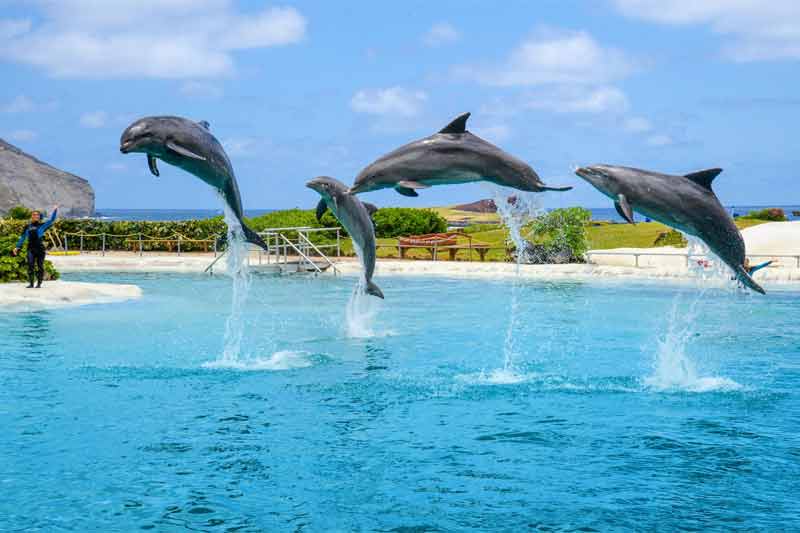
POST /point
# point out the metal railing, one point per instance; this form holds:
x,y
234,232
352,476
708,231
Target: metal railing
x,y
688,256
291,248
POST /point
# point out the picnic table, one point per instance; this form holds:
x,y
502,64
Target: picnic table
x,y
433,242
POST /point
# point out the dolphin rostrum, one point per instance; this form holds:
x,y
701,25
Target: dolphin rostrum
x,y
686,203
453,155
190,146
355,217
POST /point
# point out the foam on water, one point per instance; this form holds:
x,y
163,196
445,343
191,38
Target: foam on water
x,y
362,308
497,376
282,360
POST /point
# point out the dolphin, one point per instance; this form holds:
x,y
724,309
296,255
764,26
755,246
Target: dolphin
x,y
453,155
190,146
686,203
354,216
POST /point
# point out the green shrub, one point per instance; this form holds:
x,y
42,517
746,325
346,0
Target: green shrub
x,y
480,228
563,231
404,221
670,238
19,212
16,268
774,214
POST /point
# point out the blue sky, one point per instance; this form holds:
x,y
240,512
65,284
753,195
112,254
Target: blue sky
x,y
296,90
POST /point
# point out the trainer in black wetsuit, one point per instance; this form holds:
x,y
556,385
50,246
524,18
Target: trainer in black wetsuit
x,y
34,233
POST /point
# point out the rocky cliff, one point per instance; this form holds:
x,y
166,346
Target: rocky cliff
x,y
24,180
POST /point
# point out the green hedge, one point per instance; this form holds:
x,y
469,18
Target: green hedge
x,y
16,268
774,214
403,221
123,235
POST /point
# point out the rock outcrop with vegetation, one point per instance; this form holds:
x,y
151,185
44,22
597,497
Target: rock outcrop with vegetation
x,y
26,181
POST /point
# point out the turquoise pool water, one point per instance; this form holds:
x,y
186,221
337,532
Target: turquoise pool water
x,y
625,407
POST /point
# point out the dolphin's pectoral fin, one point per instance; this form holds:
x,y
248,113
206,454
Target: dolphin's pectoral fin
x,y
177,148
704,177
405,191
371,208
624,208
410,184
322,206
457,125
205,124
151,162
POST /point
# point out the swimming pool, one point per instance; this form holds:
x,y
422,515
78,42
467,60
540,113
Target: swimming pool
x,y
625,406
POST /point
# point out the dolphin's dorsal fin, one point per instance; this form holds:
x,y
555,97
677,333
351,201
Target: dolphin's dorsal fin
x,y
205,124
704,177
371,208
457,125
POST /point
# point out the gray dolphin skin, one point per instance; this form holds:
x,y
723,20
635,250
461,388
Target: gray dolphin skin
x,y
354,216
188,145
686,203
451,156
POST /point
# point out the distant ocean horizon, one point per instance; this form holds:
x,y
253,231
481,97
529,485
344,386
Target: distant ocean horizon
x,y
598,213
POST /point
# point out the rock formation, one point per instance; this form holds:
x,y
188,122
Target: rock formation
x,y
24,180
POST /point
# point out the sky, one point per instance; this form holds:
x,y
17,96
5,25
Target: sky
x,y
294,90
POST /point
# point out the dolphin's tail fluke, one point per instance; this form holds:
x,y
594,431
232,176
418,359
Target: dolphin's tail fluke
x,y
744,277
560,189
374,290
254,237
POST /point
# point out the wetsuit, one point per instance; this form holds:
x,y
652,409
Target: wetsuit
x,y
34,233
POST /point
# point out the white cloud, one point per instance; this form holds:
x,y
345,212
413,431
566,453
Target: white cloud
x,y
20,104
757,29
555,57
580,100
201,90
441,34
390,101
659,140
563,99
94,119
22,135
638,125
144,38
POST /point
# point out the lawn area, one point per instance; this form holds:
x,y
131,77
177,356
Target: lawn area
x,y
601,236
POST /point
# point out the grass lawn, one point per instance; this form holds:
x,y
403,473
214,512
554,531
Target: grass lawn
x,y
601,236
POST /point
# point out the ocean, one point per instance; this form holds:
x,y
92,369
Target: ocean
x,y
598,213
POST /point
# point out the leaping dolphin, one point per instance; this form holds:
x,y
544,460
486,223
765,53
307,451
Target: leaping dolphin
x,y
686,203
354,216
453,155
190,146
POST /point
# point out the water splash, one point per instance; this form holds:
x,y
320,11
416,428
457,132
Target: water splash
x,y
237,269
706,267
516,211
362,308
282,360
673,367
